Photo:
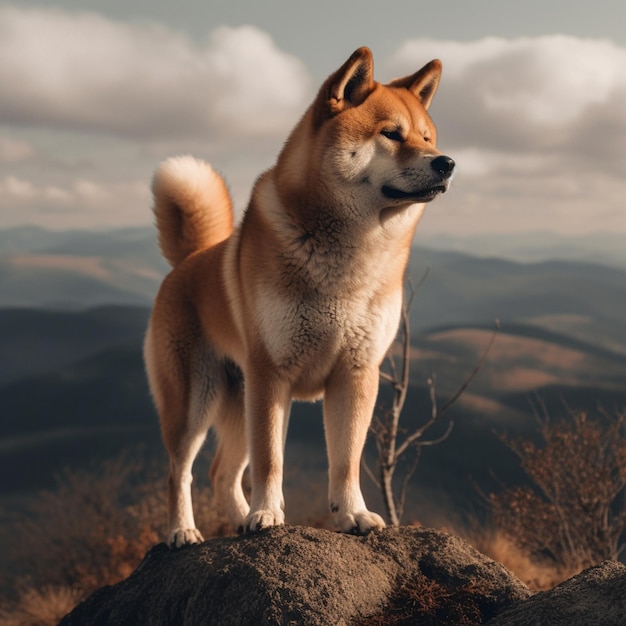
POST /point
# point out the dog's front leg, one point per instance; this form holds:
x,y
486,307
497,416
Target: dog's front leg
x,y
267,411
349,402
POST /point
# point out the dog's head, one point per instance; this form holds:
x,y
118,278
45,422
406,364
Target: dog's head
x,y
376,143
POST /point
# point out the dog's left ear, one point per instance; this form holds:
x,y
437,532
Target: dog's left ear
x,y
423,84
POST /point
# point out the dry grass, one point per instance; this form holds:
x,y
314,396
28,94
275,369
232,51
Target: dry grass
x,y
96,526
40,607
539,576
92,530
573,514
425,601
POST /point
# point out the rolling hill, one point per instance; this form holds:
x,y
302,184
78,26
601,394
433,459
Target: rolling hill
x,y
72,386
37,341
78,269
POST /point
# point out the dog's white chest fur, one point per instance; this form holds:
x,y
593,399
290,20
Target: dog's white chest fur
x,y
305,336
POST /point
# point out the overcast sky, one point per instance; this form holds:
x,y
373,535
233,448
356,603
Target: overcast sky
x,y
532,103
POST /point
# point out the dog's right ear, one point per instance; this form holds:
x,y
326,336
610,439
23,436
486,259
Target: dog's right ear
x,y
348,86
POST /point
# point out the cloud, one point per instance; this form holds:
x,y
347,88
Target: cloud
x,y
81,203
520,94
84,71
537,127
15,150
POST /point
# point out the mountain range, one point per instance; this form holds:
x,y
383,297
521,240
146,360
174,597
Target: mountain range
x,y
74,307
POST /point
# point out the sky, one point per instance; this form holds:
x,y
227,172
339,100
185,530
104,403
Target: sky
x,y
531,106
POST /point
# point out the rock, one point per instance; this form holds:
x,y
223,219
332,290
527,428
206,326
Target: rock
x,y
298,575
596,596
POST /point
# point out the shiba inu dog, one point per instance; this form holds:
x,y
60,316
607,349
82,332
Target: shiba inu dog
x,y
300,301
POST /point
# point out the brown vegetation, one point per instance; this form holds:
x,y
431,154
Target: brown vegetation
x,y
573,515
96,526
432,603
92,530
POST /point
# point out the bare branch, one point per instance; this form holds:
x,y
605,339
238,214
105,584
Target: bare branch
x,y
414,289
367,469
386,431
388,378
413,438
408,473
438,440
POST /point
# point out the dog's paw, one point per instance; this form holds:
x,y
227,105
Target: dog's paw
x,y
184,537
360,522
264,518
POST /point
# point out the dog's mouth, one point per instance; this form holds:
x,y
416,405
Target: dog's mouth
x,y
420,195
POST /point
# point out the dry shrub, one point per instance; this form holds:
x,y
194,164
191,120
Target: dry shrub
x,y
574,513
40,607
422,600
539,576
92,530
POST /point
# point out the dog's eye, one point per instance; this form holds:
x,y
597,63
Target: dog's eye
x,y
394,134
427,138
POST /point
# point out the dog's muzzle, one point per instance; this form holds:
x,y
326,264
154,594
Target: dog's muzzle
x,y
443,166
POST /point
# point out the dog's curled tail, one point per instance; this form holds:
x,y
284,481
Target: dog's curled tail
x,y
192,207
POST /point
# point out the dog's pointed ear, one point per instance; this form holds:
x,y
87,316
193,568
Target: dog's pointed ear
x,y
423,84
351,83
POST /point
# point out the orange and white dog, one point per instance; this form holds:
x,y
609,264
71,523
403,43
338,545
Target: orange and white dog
x,y
300,301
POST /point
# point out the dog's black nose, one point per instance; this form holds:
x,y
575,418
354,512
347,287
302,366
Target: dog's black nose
x,y
443,165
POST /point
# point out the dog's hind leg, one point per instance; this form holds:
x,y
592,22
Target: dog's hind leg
x,y
231,458
185,419
182,528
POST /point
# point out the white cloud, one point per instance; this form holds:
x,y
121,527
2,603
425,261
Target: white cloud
x,y
80,203
84,71
15,150
519,92
537,127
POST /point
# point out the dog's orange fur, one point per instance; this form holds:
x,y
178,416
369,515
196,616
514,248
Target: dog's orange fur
x,y
302,300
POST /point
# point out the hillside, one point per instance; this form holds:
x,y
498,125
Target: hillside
x,y
99,404
531,247
36,341
72,385
78,269
582,300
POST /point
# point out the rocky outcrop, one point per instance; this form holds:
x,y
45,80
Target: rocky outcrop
x,y
297,575
596,596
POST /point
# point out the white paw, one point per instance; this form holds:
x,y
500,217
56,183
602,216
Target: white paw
x,y
184,537
264,518
359,522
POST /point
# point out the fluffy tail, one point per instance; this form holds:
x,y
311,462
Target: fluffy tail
x,y
192,207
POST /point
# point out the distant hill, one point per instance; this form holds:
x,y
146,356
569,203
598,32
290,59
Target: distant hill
x,y
583,300
78,269
94,400
531,247
137,242
74,415
36,341
72,385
